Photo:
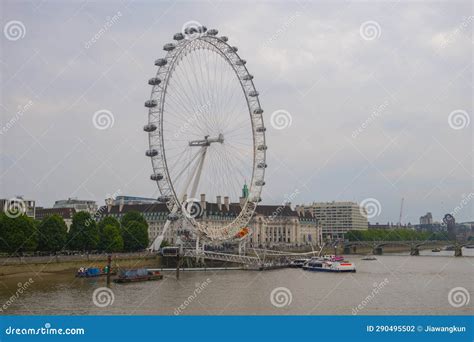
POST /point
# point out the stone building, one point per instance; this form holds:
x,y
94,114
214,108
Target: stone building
x,y
271,225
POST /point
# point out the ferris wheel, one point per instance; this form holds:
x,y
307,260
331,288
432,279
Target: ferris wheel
x,y
206,133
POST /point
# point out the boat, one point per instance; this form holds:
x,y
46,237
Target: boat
x,y
322,265
91,272
137,275
332,257
436,250
298,263
369,257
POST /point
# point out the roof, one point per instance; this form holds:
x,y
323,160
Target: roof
x,y
65,213
211,209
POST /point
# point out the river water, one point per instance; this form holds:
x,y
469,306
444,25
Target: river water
x,y
390,285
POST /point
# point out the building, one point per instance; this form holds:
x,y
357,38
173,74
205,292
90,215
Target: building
x,y
271,225
28,207
66,214
78,205
133,200
426,219
337,218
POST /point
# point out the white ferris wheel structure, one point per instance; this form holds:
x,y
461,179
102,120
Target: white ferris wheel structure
x,y
206,132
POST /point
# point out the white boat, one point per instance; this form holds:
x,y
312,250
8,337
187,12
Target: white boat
x,y
333,257
321,265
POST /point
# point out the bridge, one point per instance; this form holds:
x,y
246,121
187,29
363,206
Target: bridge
x,y
377,246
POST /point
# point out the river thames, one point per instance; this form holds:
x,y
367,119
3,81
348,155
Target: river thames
x,y
390,285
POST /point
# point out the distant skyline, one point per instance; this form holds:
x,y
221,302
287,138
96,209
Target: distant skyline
x,y
378,96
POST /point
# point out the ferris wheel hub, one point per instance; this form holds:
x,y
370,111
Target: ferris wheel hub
x,y
207,141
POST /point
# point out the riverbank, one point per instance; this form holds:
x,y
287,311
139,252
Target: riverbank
x,y
16,266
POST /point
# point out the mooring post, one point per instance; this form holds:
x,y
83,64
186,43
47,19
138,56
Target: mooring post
x,y
109,265
177,265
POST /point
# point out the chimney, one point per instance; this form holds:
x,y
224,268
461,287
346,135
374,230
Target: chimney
x,y
226,202
109,203
122,202
203,201
219,203
242,201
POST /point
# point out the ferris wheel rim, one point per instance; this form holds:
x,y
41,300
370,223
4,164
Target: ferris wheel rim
x,y
155,117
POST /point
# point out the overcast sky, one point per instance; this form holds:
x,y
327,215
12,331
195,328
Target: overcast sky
x,y
369,88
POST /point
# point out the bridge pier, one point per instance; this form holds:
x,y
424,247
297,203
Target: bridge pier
x,y
458,251
347,250
414,251
377,251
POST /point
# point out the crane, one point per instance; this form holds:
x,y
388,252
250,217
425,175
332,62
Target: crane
x,y
401,213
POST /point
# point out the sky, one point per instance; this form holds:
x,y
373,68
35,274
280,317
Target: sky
x,y
364,101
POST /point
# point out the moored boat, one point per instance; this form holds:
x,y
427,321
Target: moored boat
x,y
436,250
91,272
137,275
322,265
333,257
369,257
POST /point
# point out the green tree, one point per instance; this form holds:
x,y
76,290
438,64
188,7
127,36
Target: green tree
x,y
112,239
134,232
131,217
17,235
83,235
103,241
52,234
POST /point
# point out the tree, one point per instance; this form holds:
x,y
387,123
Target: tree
x,y
103,242
135,236
133,216
17,235
52,234
83,235
112,240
